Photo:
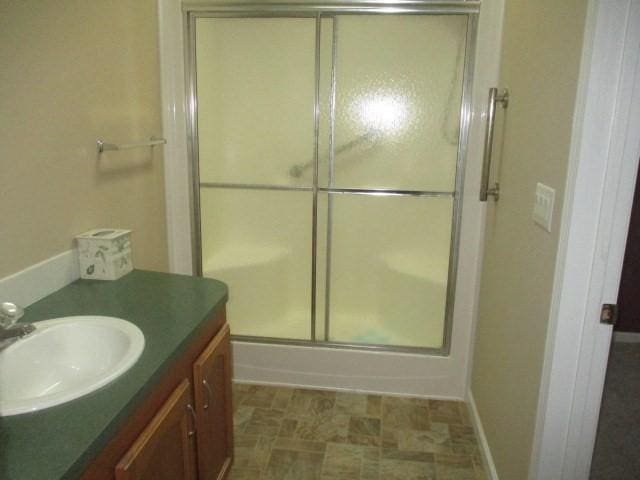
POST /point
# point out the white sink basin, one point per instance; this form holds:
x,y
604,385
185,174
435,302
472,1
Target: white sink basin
x,y
65,358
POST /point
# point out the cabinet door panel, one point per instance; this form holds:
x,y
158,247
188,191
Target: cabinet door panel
x,y
212,379
164,450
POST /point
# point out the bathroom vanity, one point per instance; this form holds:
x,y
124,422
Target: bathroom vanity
x,y
169,416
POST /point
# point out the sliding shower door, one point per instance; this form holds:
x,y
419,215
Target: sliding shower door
x,y
390,186
327,156
256,93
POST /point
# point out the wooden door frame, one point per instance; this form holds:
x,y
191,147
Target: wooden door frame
x,y
598,199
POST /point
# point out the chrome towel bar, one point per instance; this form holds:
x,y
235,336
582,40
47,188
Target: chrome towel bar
x,y
104,146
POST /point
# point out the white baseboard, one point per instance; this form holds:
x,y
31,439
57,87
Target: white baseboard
x,y
39,280
487,458
626,337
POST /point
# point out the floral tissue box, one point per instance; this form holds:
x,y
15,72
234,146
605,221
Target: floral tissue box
x,y
105,254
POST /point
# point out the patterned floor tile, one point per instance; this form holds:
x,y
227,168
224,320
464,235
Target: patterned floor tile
x,y
238,395
257,396
298,434
445,411
300,445
244,446
405,470
244,474
251,451
326,428
455,467
351,403
479,469
241,417
374,405
364,426
294,465
312,402
288,427
424,441
405,416
464,414
366,440
370,463
342,461
282,398
264,421
463,440
406,455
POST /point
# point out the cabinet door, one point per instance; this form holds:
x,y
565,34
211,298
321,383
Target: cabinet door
x,y
212,378
164,450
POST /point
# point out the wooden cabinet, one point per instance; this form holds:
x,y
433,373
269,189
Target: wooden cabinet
x,y
211,376
164,450
184,429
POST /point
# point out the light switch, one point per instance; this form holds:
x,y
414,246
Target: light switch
x,y
543,206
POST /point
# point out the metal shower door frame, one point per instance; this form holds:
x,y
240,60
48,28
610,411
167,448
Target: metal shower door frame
x,y
318,12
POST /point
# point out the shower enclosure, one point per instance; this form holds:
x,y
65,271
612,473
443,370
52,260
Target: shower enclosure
x,y
328,148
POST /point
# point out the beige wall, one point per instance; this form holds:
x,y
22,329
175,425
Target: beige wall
x,y
540,61
72,72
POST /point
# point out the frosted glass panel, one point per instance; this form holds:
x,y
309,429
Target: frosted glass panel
x,y
387,91
389,269
256,97
398,96
259,243
325,100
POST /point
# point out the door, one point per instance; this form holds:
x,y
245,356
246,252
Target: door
x,y
212,379
165,448
328,154
629,293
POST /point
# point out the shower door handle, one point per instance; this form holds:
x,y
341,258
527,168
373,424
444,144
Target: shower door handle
x,y
495,97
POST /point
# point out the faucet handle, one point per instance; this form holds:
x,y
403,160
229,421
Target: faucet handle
x,y
10,313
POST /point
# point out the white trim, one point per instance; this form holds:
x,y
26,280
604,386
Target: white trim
x,y
626,337
600,179
486,75
485,451
176,158
33,283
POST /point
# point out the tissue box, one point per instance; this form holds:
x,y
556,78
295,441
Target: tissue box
x,y
105,253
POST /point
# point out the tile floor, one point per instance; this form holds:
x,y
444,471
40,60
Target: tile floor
x,y
295,434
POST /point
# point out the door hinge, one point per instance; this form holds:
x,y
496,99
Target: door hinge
x,y
609,313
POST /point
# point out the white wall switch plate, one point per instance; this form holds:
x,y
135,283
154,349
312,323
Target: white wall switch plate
x,y
543,206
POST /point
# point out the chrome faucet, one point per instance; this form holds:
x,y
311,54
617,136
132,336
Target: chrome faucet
x,y
10,313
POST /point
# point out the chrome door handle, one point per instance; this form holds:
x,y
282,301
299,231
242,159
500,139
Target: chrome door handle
x,y
495,97
208,393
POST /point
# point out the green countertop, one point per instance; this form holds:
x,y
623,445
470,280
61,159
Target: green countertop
x,y
61,441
